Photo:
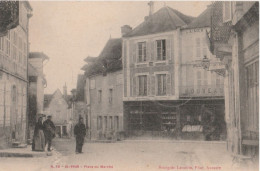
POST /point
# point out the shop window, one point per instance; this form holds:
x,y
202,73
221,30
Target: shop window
x,y
252,77
142,85
161,50
105,120
161,83
116,122
188,118
99,122
141,51
111,122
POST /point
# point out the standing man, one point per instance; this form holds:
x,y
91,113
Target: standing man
x,y
79,132
49,131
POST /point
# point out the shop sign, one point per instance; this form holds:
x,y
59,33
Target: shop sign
x,y
201,91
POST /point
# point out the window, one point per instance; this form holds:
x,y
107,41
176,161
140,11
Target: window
x,y
141,51
110,95
99,96
111,122
142,85
198,50
161,80
202,78
99,122
116,122
105,119
161,50
7,47
252,77
227,11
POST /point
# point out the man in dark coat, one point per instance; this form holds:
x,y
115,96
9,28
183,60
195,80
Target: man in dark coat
x,y
49,131
79,132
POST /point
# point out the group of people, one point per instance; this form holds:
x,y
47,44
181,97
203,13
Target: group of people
x,y
44,132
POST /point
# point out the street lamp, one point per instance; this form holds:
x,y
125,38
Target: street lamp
x,y
205,63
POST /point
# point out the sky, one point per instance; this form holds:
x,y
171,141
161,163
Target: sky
x,y
70,31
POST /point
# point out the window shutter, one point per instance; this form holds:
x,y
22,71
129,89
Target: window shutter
x,y
152,50
148,85
134,52
168,49
168,84
137,86
134,86
148,50
152,79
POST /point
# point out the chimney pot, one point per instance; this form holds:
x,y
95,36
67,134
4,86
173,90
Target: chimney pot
x,y
125,29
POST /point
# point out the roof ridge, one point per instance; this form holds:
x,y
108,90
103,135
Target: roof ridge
x,y
173,12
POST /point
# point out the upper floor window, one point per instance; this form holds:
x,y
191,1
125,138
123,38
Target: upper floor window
x,y
142,85
227,11
110,99
202,77
198,48
141,51
161,82
161,49
99,122
99,96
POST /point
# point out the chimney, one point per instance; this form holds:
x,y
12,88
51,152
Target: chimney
x,y
151,7
125,29
65,90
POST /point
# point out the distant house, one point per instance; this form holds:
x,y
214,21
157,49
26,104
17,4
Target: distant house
x,y
103,91
57,105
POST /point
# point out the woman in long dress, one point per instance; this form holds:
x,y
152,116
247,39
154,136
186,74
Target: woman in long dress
x,y
38,137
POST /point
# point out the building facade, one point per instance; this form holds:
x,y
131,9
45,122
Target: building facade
x,y
241,56
57,106
37,83
103,92
14,49
164,94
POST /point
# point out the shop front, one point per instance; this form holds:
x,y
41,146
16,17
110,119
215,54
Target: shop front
x,y
182,119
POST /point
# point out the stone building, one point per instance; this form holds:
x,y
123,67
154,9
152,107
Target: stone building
x,y
37,83
239,50
58,106
164,94
103,92
14,48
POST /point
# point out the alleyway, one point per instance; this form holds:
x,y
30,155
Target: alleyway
x,y
129,155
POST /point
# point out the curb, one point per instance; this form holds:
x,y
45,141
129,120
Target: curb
x,y
177,141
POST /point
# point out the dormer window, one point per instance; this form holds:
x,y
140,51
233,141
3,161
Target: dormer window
x,y
161,50
141,51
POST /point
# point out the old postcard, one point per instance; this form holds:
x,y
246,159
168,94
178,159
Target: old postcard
x,y
129,85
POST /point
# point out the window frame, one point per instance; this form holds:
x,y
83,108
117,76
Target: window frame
x,y
143,50
162,49
99,96
142,88
161,88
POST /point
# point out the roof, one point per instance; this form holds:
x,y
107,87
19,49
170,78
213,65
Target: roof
x,y
32,71
109,59
165,19
48,98
203,20
38,55
90,59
